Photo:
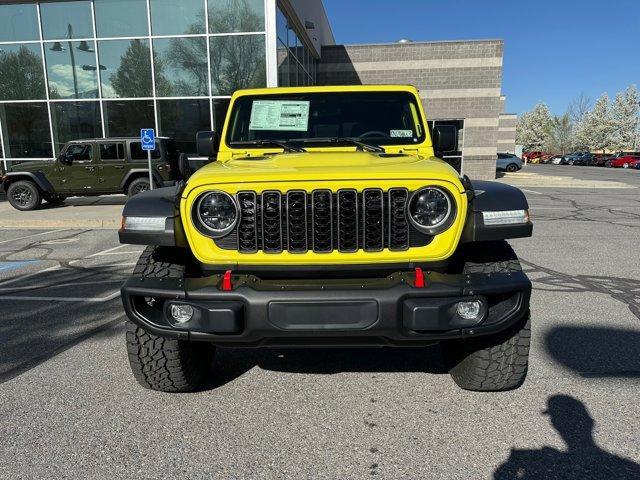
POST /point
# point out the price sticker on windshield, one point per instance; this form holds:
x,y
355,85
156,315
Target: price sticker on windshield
x,y
280,115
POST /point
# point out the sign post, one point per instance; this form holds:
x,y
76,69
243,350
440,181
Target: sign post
x,y
148,140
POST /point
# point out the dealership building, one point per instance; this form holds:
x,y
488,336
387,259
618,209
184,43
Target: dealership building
x,y
102,68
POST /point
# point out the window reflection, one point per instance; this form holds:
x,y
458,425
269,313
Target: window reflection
x,y
181,67
21,74
25,127
176,17
18,22
126,118
111,22
181,119
237,61
71,68
62,20
283,65
125,68
227,16
75,121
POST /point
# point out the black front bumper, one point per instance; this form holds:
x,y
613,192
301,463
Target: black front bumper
x,y
388,311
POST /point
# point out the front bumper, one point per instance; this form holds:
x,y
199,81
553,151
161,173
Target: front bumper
x,y
347,312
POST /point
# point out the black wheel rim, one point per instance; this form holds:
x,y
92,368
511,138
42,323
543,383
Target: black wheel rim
x,y
141,187
22,196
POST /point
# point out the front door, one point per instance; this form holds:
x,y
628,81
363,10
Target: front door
x,y
79,176
112,166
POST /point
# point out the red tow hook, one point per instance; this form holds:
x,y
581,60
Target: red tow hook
x,y
226,285
419,281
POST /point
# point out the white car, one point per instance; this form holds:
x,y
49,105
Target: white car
x,y
556,160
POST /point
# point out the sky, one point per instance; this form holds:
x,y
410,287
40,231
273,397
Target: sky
x,y
554,50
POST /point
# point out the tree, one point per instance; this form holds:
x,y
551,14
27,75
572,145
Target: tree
x,y
578,108
533,127
559,134
21,75
133,76
595,131
624,118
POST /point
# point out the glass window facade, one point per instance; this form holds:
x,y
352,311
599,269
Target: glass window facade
x,y
296,63
93,68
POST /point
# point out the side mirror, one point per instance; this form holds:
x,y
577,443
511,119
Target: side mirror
x,y
207,143
66,158
445,138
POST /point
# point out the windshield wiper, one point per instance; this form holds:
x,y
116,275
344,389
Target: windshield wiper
x,y
269,143
362,145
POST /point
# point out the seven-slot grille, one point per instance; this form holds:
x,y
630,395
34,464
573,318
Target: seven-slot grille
x,y
323,221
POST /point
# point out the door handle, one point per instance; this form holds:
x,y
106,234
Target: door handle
x,y
119,167
91,169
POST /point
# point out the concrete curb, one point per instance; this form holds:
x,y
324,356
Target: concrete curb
x,y
67,224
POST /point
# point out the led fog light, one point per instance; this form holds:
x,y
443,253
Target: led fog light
x,y
181,313
469,310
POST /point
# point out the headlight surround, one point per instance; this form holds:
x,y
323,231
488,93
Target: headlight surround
x,y
431,210
216,213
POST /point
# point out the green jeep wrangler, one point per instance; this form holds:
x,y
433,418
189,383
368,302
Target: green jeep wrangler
x,y
89,168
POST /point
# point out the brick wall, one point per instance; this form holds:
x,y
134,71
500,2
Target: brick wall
x,y
507,133
457,80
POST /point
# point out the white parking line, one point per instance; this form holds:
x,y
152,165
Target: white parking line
x,y
531,191
34,235
105,252
62,299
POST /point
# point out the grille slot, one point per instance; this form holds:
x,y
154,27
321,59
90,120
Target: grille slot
x,y
348,221
272,222
323,221
373,219
398,222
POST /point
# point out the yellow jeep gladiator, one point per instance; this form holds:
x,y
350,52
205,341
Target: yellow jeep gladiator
x,y
325,218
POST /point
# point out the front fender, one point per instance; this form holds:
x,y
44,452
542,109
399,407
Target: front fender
x,y
490,196
153,218
38,178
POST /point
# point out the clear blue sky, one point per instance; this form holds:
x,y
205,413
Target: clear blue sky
x,y
554,50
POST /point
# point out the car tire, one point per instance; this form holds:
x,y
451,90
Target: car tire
x,y
497,362
137,186
625,165
160,363
512,167
24,195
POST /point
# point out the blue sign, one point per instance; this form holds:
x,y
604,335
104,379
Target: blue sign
x,y
148,139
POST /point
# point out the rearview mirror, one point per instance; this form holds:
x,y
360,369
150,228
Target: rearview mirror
x,y
207,143
445,139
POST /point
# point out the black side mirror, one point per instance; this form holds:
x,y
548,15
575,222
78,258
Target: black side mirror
x,y
207,143
66,158
445,139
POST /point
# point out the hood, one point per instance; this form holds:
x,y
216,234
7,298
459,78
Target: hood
x,y
30,166
307,166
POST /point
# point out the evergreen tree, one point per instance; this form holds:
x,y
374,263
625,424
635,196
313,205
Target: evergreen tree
x,y
624,117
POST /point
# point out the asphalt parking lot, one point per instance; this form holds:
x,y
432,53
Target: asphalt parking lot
x,y
69,406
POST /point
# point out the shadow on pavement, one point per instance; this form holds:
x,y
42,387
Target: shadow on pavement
x,y
582,459
596,352
233,362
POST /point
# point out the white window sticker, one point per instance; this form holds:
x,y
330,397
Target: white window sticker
x,y
285,115
401,133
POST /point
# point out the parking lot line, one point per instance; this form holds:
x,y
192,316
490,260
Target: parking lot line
x,y
62,299
33,235
105,252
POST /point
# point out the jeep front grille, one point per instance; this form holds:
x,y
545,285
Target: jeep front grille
x,y
323,221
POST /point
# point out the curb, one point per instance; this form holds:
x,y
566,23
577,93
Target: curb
x,y
66,224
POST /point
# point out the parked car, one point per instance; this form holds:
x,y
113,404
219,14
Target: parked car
x,y
600,159
89,168
556,159
584,159
529,156
508,162
626,161
274,246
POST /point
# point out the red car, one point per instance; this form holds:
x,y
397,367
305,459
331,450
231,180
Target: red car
x,y
627,161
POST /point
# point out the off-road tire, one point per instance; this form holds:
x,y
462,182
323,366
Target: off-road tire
x,y
24,195
495,362
160,363
137,186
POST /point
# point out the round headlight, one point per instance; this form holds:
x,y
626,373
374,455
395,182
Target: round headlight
x,y
431,210
217,212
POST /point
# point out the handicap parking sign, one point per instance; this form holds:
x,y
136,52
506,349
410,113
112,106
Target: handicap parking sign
x,y
148,138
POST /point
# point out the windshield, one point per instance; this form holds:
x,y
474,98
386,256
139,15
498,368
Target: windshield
x,y
374,118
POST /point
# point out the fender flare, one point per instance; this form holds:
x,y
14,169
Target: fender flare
x,y
488,196
38,178
136,172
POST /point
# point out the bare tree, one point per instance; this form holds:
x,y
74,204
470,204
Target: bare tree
x,y
579,107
